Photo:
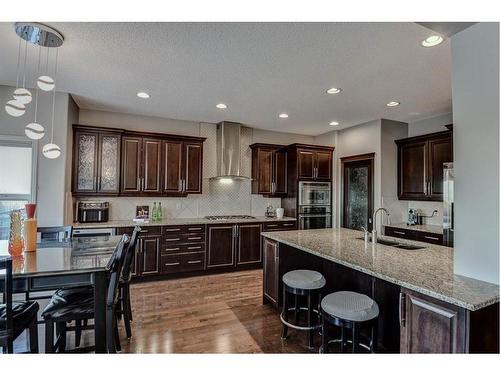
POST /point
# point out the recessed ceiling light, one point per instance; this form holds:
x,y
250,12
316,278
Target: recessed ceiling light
x,y
393,104
334,123
432,41
221,106
143,95
334,90
283,115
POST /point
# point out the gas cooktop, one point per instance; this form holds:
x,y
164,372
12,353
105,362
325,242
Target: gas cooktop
x,y
229,217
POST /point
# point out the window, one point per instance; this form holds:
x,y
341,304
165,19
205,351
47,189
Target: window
x,y
18,158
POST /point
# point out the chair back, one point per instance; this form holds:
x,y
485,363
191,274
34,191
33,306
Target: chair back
x,y
55,233
127,266
7,322
115,266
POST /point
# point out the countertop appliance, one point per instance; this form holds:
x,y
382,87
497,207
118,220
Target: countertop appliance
x,y
448,204
92,212
93,232
314,193
315,217
228,217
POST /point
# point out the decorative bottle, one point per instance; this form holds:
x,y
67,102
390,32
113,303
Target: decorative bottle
x,y
159,213
16,243
155,212
30,227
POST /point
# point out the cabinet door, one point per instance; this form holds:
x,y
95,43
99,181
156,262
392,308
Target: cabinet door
x,y
220,246
85,162
440,151
323,165
150,255
109,163
249,244
305,164
430,326
280,173
271,272
131,164
193,172
172,158
151,182
412,171
264,171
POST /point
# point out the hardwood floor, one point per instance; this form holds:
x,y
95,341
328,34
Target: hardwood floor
x,y
205,314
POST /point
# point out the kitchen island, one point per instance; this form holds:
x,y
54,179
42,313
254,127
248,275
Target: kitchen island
x,y
424,306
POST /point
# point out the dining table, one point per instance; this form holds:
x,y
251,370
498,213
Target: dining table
x,y
67,263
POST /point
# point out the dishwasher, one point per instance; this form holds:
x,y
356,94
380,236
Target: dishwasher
x,y
93,232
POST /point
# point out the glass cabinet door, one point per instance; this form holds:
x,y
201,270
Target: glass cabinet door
x,y
109,159
358,194
86,166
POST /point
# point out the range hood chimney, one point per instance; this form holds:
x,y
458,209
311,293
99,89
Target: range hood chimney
x,y
228,151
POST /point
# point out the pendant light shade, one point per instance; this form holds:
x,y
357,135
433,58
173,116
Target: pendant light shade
x,y
23,95
15,108
51,151
34,130
45,83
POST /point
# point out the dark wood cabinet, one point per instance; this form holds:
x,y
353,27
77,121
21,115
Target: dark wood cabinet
x,y
248,244
420,165
269,170
149,255
172,160
131,164
271,272
416,235
314,164
193,167
183,167
151,166
221,240
96,162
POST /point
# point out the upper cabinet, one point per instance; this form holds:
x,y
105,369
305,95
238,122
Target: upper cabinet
x,y
310,162
269,170
420,165
96,162
108,162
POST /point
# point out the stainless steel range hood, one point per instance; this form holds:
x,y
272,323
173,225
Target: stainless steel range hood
x,y
229,151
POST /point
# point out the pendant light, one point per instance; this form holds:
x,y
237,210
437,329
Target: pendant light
x,y
13,107
22,94
51,150
35,130
45,82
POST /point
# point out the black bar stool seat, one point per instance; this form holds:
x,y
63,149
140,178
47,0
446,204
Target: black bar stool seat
x,y
301,283
349,310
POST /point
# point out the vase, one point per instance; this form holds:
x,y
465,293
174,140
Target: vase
x,y
30,228
16,242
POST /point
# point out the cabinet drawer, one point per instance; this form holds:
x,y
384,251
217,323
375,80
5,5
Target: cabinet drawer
x,y
184,229
279,225
434,238
183,248
400,233
182,262
173,239
150,231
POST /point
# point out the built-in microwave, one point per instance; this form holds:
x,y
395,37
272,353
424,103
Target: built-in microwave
x,y
314,193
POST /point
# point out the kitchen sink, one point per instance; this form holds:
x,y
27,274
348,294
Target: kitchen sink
x,y
399,245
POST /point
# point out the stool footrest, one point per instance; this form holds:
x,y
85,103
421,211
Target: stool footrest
x,y
301,328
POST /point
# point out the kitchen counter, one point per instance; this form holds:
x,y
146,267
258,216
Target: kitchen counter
x,y
428,271
178,221
438,229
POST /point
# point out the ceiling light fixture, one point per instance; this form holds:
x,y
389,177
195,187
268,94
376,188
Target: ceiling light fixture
x,y
221,106
432,41
334,123
283,115
143,95
334,90
393,104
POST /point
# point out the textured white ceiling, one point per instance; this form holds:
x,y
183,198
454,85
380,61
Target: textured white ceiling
x,y
258,69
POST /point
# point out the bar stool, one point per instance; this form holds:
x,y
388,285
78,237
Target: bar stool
x,y
349,310
301,283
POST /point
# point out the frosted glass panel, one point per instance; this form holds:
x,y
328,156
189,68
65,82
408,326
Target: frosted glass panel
x,y
15,170
357,211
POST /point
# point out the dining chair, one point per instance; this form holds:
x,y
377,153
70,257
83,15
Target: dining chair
x,y
55,233
77,304
15,317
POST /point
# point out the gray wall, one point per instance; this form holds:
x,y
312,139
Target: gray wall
x,y
475,77
429,125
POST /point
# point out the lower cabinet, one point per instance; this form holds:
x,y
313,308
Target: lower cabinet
x,y
182,262
148,262
248,244
415,235
271,272
221,240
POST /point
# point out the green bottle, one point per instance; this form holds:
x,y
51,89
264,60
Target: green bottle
x,y
155,212
158,212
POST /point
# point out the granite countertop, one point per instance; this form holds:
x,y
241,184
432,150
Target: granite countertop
x,y
186,221
428,271
438,229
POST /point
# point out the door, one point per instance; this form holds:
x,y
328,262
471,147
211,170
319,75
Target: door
x,y
412,170
305,164
151,181
280,173
109,164
193,172
150,255
430,326
323,165
85,162
440,152
220,246
271,271
131,164
172,158
249,244
265,171
357,172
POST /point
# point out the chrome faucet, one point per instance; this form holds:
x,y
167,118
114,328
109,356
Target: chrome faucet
x,y
374,230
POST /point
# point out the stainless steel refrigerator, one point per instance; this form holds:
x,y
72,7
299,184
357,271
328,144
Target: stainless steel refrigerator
x,y
448,207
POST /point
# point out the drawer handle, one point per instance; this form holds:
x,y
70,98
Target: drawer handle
x,y
194,238
431,238
194,261
173,229
194,247
172,248
195,228
288,225
172,239
144,231
398,232
172,264
272,225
